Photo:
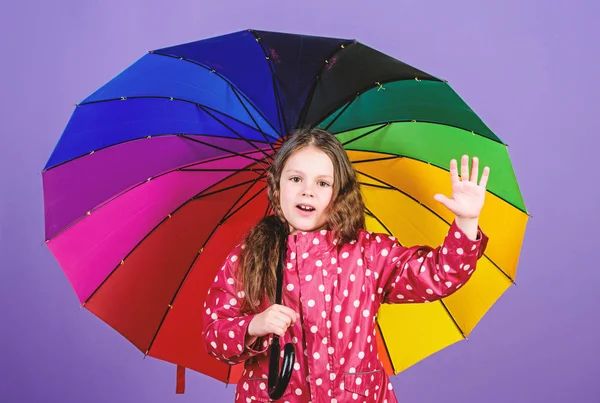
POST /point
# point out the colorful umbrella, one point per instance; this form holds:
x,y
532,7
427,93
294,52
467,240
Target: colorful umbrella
x,y
160,172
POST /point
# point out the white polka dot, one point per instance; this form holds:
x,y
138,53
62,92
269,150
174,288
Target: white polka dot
x,y
357,303
316,241
367,272
293,255
348,319
233,258
338,308
327,297
448,284
459,251
230,281
317,355
474,246
384,252
262,386
329,324
446,268
457,235
319,263
345,293
357,329
304,255
298,392
245,386
214,316
314,329
408,287
352,277
430,254
436,277
366,313
345,255
332,377
323,314
400,296
324,272
319,381
290,287
296,366
358,381
308,277
208,311
330,350
233,301
224,346
241,294
445,251
339,270
333,260
359,262
466,267
289,265
213,344
231,334
321,288
423,268
429,291
311,303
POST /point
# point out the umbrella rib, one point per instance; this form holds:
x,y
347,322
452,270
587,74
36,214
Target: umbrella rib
x,y
392,157
311,93
390,122
280,111
221,76
160,223
365,134
393,188
453,320
222,221
174,99
142,138
341,113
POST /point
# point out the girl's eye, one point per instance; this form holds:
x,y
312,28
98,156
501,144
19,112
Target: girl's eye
x,y
295,179
323,184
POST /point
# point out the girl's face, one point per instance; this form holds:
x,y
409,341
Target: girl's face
x,y
306,188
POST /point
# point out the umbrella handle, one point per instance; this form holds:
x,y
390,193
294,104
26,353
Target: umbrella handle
x,y
278,381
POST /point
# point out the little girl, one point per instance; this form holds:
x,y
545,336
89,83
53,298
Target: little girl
x,y
336,276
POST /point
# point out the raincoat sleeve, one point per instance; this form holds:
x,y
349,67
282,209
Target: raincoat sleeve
x,y
423,273
225,326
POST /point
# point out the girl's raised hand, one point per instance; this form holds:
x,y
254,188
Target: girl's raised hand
x,y
467,195
275,319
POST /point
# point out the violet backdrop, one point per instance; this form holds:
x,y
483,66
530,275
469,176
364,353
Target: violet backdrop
x,y
528,68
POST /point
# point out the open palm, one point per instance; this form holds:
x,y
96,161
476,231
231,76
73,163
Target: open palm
x,y
467,195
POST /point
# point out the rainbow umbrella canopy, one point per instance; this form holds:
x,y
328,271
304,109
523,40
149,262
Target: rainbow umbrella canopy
x,y
161,171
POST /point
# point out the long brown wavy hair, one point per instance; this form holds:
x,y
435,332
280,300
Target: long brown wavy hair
x,y
345,216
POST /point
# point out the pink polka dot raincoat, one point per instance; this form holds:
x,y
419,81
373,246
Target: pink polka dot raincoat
x,y
336,291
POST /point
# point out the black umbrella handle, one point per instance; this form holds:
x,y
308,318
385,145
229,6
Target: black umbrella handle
x,y
278,381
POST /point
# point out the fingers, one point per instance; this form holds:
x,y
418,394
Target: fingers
x,y
474,170
484,177
287,311
454,172
464,168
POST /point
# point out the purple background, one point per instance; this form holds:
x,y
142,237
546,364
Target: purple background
x,y
529,68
